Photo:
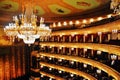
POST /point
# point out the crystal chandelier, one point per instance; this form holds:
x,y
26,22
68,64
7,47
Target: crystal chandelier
x,y
25,27
115,5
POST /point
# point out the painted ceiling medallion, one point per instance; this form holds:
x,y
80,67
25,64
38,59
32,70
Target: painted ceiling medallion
x,y
8,5
59,9
38,10
82,4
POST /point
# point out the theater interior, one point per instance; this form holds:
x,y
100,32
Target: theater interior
x,y
59,40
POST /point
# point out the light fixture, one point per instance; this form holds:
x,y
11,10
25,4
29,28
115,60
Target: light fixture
x,y
71,75
115,5
98,71
60,71
25,27
50,69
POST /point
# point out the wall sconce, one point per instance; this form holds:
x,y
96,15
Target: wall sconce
x,y
42,75
41,66
70,23
72,48
50,58
99,52
54,24
60,71
71,75
113,57
99,18
85,65
98,71
59,24
109,16
50,78
42,56
91,20
84,21
77,22
85,49
99,33
72,62
50,69
65,23
60,60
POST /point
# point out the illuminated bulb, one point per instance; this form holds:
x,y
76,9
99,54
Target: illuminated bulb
x,y
99,18
50,58
50,79
54,25
50,69
85,65
98,71
65,23
60,71
41,66
72,48
109,16
71,75
60,60
72,62
50,46
60,35
70,23
99,33
60,47
84,21
42,46
42,56
85,49
98,52
77,22
59,24
113,57
42,76
91,20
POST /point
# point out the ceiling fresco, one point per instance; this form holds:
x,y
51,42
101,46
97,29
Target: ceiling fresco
x,y
49,9
9,6
57,9
38,10
83,4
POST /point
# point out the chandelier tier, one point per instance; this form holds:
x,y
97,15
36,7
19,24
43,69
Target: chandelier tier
x,y
25,27
115,5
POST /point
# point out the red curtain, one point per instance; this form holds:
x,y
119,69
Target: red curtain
x,y
12,62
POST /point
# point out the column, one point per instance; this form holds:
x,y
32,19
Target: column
x,y
70,37
92,37
76,38
100,37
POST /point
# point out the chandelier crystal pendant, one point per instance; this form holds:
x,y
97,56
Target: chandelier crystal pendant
x,y
25,27
115,5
